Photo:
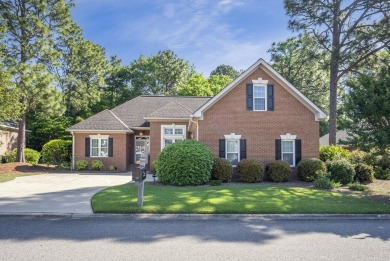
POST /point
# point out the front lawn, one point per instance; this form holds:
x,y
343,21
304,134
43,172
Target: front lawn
x,y
245,199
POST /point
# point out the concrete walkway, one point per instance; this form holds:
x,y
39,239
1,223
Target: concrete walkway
x,y
56,193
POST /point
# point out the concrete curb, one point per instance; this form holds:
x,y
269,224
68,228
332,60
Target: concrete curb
x,y
189,217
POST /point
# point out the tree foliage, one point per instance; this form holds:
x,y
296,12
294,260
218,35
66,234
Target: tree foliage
x,y
368,110
349,31
160,74
31,30
227,70
197,85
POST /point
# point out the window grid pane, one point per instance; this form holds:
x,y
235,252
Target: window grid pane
x,y
287,146
95,152
232,157
259,104
104,143
288,157
232,146
178,131
168,131
95,143
259,92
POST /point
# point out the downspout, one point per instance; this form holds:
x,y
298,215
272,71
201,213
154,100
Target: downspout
x,y
197,126
72,150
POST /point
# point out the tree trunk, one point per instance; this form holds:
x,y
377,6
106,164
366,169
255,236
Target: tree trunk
x,y
21,139
334,70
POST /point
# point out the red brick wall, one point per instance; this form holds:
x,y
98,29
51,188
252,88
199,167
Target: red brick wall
x,y
120,150
260,128
8,140
155,137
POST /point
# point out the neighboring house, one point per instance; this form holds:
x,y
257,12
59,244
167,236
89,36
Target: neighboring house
x,y
259,115
8,136
341,139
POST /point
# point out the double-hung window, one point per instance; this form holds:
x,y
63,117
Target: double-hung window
x,y
233,151
259,98
99,147
288,154
171,134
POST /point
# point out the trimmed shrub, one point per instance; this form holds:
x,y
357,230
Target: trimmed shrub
x,y
364,173
358,156
112,168
383,162
57,151
325,183
357,186
154,166
332,152
64,165
278,170
97,165
250,170
81,164
215,182
311,169
341,171
184,163
222,170
380,173
30,155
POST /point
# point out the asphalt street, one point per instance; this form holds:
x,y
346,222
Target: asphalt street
x,y
137,238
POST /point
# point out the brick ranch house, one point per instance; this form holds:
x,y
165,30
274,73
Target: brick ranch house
x,y
259,115
8,136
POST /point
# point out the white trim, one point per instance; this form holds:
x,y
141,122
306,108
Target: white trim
x,y
319,114
293,151
260,81
232,136
72,159
265,97
172,136
101,131
99,138
239,147
8,127
140,128
288,136
165,119
135,139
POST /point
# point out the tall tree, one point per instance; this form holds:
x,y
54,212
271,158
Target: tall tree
x,y
224,69
31,30
160,74
79,71
299,60
368,110
349,30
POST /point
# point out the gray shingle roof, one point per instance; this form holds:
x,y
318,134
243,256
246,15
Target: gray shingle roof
x,y
104,120
10,124
132,113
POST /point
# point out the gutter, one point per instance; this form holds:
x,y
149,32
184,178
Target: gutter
x,y
72,150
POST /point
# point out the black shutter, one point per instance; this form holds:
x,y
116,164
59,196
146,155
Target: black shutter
x,y
249,96
278,149
270,94
87,147
222,148
242,149
110,147
298,151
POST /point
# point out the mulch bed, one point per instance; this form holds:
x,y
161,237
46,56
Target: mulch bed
x,y
25,168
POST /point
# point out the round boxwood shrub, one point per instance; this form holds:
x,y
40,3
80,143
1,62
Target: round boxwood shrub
x,y
57,151
332,152
222,169
311,169
341,171
184,163
251,170
278,170
30,155
81,165
97,165
364,173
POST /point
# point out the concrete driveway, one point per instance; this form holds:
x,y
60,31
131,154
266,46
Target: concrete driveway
x,y
55,193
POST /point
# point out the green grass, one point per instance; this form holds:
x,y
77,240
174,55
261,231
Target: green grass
x,y
245,199
11,176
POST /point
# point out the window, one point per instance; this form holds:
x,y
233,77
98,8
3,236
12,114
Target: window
x,y
233,151
99,147
288,151
171,134
259,98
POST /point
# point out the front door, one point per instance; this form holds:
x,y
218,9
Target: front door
x,y
141,149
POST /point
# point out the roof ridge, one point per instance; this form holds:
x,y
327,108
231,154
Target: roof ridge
x,y
120,121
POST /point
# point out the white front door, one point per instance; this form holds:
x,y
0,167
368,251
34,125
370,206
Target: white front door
x,y
141,149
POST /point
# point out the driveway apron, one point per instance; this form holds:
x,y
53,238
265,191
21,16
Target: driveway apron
x,y
55,193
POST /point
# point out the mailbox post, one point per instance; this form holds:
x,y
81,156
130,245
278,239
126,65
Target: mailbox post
x,y
139,176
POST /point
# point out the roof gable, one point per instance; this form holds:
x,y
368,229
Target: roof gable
x,y
319,114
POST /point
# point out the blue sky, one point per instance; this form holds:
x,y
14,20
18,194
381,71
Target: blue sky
x,y
206,33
